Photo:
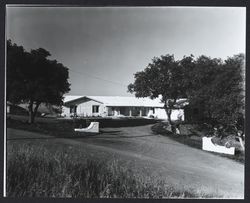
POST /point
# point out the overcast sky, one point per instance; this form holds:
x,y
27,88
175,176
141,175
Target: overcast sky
x,y
104,47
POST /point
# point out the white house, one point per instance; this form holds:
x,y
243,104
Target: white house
x,y
115,106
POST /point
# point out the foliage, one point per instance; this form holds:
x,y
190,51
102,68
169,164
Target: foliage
x,y
33,78
218,87
165,77
213,85
36,172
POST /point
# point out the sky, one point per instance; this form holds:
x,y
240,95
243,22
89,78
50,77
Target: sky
x,y
104,47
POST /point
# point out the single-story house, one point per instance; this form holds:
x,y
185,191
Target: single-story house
x,y
117,106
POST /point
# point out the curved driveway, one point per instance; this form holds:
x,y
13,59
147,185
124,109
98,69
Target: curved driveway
x,y
181,165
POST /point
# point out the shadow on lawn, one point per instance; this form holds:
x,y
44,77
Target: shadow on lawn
x,y
86,136
110,131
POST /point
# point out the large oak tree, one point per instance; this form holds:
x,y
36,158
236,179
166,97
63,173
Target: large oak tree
x,y
214,85
164,77
34,79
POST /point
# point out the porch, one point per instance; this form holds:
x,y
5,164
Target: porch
x,y
130,111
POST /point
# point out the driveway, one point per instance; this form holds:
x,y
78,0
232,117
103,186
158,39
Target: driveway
x,y
156,155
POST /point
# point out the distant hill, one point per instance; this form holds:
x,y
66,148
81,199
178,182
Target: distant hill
x,y
22,109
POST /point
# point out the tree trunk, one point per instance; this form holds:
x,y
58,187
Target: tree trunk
x,y
169,112
36,108
33,112
168,108
241,143
31,117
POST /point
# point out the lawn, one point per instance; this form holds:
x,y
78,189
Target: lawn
x,y
65,127
194,140
63,171
129,163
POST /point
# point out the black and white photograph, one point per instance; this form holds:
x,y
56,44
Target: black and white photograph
x,y
125,102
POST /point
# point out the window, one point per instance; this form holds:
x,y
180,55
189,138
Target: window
x,y
73,109
95,109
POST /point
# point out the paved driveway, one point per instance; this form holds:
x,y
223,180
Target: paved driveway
x,y
139,148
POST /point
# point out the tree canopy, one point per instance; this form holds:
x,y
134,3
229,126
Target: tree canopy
x,y
164,76
219,86
33,78
214,84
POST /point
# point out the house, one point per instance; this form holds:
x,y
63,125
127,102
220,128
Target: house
x,y
118,106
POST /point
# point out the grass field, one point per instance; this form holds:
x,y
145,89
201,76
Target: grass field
x,y
130,162
65,127
196,141
34,171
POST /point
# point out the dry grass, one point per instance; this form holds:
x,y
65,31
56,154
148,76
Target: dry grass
x,y
40,172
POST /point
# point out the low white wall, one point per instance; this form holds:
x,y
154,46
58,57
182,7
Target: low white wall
x,y
92,128
207,145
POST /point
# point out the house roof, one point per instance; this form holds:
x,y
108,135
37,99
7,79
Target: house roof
x,y
117,101
68,98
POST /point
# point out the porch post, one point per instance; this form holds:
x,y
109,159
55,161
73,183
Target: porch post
x,y
130,112
140,112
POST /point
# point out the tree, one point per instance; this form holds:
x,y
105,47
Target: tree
x,y
214,85
219,87
231,107
201,89
33,78
165,77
